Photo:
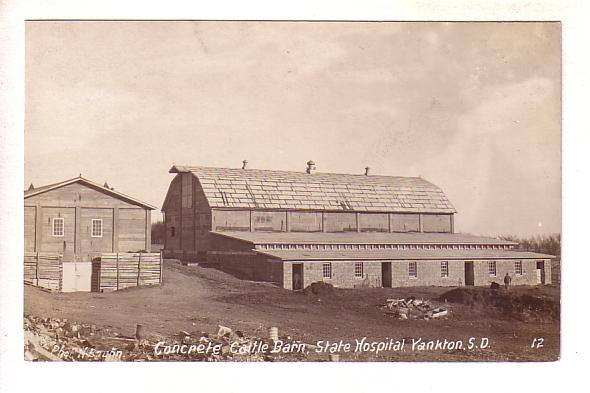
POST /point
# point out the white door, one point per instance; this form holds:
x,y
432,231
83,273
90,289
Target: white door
x,y
539,278
76,276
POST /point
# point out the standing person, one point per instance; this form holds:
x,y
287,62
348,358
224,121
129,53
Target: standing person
x,y
507,281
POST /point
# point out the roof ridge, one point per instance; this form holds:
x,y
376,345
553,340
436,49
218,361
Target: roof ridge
x,y
362,175
318,191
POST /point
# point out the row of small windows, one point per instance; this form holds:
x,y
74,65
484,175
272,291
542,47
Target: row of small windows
x,y
359,270
383,246
58,227
492,270
413,269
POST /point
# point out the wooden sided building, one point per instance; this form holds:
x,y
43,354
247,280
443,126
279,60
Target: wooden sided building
x,y
295,228
80,219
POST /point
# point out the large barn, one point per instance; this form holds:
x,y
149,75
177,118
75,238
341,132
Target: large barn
x,y
295,228
80,219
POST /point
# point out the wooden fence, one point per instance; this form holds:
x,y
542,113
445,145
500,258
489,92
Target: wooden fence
x,y
123,270
43,269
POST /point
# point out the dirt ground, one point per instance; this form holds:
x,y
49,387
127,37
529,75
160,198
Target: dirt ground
x,y
194,298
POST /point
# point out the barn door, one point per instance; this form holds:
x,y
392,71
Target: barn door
x,y
386,276
297,276
469,276
540,272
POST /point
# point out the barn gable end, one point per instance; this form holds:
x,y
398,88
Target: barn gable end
x,y
81,219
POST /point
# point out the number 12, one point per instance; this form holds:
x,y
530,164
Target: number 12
x,y
537,342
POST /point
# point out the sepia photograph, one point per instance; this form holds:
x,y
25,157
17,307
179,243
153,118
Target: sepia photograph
x,y
292,191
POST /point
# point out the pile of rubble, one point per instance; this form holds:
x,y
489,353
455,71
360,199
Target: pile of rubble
x,y
412,308
54,339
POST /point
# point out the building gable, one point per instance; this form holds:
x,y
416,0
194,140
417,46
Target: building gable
x,y
83,192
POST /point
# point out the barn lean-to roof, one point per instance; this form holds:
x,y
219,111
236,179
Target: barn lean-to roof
x,y
39,190
335,255
271,189
361,238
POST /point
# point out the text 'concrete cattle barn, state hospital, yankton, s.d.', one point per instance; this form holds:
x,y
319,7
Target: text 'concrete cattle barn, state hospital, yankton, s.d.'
x,y
295,228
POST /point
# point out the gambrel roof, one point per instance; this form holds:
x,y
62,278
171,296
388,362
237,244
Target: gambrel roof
x,y
39,190
269,189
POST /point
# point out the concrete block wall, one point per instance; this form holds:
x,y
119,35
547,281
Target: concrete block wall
x,y
548,272
529,270
251,267
342,274
428,273
288,275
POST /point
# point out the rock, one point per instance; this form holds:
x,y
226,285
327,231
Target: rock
x,y
411,308
223,331
439,312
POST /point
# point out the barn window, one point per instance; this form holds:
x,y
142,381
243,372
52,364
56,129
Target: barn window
x,y
327,270
492,268
412,269
444,269
96,227
172,231
518,267
359,270
58,227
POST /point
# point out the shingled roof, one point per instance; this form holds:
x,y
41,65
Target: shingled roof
x,y
269,189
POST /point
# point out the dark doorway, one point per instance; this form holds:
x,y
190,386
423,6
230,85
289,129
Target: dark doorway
x,y
95,277
469,277
297,276
386,274
540,272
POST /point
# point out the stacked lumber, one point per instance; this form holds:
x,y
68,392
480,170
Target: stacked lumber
x,y
43,269
124,270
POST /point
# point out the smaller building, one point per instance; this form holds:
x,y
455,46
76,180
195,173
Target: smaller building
x,y
80,219
349,260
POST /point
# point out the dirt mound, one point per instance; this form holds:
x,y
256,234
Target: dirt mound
x,y
516,304
320,288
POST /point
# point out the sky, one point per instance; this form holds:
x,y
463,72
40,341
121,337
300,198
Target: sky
x,y
474,108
